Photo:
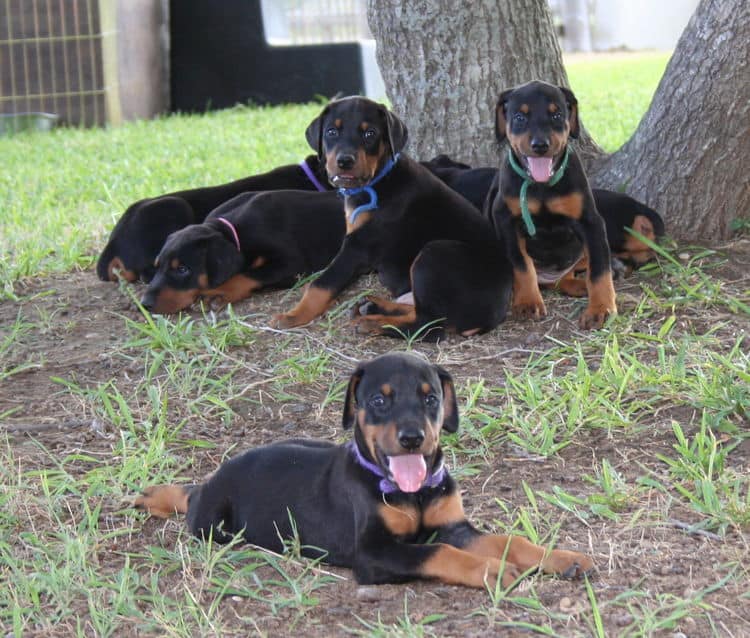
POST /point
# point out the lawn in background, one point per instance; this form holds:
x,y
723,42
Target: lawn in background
x,y
61,192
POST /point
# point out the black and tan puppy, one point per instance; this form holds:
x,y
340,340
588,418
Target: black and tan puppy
x,y
143,228
544,209
427,244
384,504
619,211
254,241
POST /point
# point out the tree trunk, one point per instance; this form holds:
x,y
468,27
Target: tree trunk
x,y
688,157
444,63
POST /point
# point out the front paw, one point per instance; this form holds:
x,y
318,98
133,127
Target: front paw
x,y
365,325
531,309
594,317
568,564
215,303
286,320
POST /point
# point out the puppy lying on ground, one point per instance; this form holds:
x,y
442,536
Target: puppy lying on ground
x,y
383,504
254,241
143,228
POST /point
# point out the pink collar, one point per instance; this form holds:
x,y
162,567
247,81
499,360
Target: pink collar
x,y
233,229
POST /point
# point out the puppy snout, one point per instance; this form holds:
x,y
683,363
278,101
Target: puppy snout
x,y
539,146
345,161
411,438
148,300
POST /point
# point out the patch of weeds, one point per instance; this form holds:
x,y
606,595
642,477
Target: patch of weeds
x,y
689,284
404,627
655,612
53,555
614,497
698,473
10,339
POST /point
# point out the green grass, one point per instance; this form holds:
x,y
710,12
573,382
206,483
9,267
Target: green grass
x,y
614,94
636,429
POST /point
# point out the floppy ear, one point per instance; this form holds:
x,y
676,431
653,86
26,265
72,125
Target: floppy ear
x,y
501,115
396,132
314,132
221,264
450,406
572,111
350,403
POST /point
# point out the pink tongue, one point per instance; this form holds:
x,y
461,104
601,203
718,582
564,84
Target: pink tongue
x,y
409,471
540,168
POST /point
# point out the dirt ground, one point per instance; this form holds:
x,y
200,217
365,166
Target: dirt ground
x,y
79,325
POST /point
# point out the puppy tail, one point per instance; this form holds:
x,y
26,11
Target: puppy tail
x,y
164,501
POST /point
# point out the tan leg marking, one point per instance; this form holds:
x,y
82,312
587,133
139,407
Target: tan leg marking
x,y
234,289
601,302
571,285
163,501
458,567
526,555
527,300
314,303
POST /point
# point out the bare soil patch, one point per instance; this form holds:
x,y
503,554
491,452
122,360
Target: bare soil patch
x,y
76,331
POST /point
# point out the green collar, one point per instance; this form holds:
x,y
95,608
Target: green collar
x,y
525,213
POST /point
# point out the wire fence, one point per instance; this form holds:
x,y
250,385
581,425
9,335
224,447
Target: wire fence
x,y
60,56
51,60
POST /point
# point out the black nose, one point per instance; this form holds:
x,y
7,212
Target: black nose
x,y
540,147
410,439
345,161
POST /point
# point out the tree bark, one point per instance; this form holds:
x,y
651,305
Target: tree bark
x,y
688,156
444,63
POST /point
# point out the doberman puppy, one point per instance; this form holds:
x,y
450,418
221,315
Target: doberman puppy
x,y
140,233
543,208
253,241
404,223
620,211
383,504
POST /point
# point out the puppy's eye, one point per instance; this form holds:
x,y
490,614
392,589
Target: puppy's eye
x,y
431,401
370,134
332,132
557,116
519,117
377,401
182,270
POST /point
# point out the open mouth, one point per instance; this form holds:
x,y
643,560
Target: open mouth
x,y
408,471
347,180
540,168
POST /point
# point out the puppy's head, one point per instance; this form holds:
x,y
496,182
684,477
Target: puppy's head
x,y
193,260
398,404
537,119
354,137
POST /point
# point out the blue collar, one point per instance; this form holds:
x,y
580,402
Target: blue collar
x,y
368,188
386,486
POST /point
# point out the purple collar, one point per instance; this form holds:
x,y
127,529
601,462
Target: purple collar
x,y
386,486
311,176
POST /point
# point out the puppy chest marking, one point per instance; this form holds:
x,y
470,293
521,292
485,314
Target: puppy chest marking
x,y
400,520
